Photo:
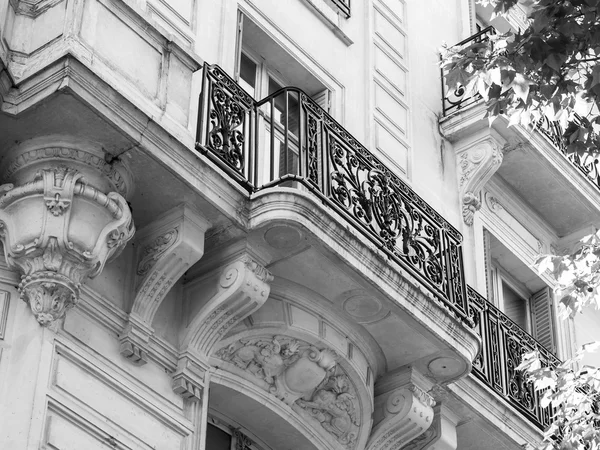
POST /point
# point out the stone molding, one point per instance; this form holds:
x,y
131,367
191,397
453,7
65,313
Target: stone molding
x,y
168,247
476,163
46,231
89,156
403,410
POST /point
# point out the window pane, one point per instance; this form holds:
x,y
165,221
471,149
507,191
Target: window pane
x,y
217,439
248,74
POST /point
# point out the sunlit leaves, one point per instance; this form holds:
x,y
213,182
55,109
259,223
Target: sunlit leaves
x,y
550,67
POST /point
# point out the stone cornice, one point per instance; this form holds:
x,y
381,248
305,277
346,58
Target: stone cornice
x,y
486,404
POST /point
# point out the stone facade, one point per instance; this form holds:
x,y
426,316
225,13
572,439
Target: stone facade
x,y
188,268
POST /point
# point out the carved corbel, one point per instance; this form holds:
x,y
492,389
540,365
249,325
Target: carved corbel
x,y
442,433
168,247
403,410
45,227
238,289
476,165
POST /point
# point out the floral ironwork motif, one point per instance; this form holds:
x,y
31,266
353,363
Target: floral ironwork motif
x,y
352,181
338,168
504,343
227,117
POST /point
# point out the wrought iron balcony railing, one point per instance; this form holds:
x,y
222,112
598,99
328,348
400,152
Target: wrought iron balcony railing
x,y
342,5
503,346
286,139
459,99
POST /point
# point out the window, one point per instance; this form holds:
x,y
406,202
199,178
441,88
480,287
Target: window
x,y
221,436
264,69
518,292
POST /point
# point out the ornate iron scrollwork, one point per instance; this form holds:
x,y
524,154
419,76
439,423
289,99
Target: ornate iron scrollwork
x,y
504,344
225,112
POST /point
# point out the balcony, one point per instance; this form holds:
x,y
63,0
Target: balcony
x,y
463,114
287,140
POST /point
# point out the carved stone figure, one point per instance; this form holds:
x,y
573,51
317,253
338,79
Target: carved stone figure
x,y
290,369
335,408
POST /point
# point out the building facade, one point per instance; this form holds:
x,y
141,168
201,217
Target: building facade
x,y
267,225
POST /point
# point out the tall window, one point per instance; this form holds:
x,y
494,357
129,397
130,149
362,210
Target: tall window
x,y
264,69
517,291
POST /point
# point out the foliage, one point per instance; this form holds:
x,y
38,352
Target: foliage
x,y
572,389
548,69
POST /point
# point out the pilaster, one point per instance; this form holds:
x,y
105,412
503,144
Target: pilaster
x,y
403,410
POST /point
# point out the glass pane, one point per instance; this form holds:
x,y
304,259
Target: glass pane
x,y
217,439
279,108
248,75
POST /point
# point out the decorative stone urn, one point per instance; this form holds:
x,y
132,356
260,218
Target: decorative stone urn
x,y
63,215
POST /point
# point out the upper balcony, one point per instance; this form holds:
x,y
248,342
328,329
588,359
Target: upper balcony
x,y
563,191
287,140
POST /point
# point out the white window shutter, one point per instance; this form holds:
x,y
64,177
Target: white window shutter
x,y
322,99
543,318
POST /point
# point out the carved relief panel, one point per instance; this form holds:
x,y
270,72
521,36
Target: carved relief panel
x,y
303,376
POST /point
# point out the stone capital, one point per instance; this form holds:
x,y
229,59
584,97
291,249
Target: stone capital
x,y
54,187
477,162
403,410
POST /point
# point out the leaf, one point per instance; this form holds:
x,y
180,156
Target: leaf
x,y
544,263
520,87
555,61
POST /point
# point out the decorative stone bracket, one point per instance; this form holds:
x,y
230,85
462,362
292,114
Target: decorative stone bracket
x,y
477,162
403,410
57,224
239,289
441,435
168,247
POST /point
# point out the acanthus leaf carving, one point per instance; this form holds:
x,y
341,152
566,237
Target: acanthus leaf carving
x,y
54,257
156,249
476,165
